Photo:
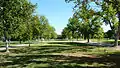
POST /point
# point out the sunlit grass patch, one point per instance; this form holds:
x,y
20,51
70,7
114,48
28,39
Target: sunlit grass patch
x,y
34,65
95,64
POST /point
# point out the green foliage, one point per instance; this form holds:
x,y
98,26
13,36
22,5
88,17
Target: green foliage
x,y
46,31
112,17
14,15
99,34
86,23
109,13
109,34
19,23
37,28
109,16
91,23
66,33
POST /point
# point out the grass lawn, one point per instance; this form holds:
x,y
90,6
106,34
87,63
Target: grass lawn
x,y
111,41
61,55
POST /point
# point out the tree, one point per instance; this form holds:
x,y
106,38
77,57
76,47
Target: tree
x,y
109,16
99,34
109,34
12,14
38,28
53,33
110,4
84,23
66,33
20,32
72,26
90,22
43,20
106,5
46,30
36,24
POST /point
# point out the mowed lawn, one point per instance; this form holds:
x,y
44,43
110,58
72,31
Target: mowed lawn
x,y
61,55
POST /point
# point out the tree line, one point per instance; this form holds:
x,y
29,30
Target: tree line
x,y
18,21
92,16
77,29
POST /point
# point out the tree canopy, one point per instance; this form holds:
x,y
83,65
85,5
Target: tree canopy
x,y
18,21
109,13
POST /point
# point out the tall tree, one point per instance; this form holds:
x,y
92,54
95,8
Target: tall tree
x,y
111,16
90,21
12,14
72,25
46,30
112,5
36,27
66,33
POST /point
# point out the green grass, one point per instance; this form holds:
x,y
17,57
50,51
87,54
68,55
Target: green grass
x,y
111,41
61,55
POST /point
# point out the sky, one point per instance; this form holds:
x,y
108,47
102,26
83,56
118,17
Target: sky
x,y
57,12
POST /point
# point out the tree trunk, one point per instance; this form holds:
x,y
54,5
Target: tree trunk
x,y
7,46
88,39
116,39
6,40
72,35
29,43
9,42
20,41
117,36
77,38
117,31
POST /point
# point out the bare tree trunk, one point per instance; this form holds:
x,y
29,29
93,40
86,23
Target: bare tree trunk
x,y
116,40
72,36
77,38
117,31
9,42
7,46
6,40
117,36
20,41
29,42
88,40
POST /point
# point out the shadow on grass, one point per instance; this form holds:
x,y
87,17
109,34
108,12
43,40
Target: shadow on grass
x,y
51,49
61,61
2,46
84,44
70,43
111,42
38,57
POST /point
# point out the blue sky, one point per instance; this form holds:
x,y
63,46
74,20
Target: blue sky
x,y
57,12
